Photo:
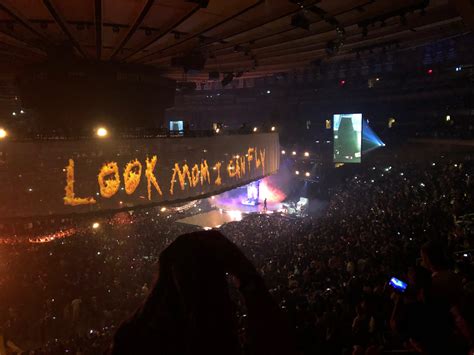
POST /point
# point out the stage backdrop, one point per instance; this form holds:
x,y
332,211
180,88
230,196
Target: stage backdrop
x,y
62,177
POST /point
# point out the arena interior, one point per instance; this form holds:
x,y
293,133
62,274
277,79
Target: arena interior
x,y
242,177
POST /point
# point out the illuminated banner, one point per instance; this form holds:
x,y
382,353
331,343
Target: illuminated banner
x,y
64,177
347,135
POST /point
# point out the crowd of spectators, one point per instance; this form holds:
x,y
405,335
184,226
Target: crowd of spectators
x,y
330,274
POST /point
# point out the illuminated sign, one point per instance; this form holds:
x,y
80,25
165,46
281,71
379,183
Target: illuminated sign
x,y
78,176
109,177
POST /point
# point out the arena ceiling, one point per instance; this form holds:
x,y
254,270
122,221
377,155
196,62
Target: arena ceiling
x,y
250,37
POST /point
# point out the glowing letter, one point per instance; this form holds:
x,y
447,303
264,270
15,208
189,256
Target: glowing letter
x,y
250,156
231,168
150,176
109,187
262,159
242,165
70,198
218,168
205,173
181,175
131,178
237,168
257,159
195,175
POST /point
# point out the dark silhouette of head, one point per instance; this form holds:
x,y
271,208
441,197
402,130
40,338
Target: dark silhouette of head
x,y
188,310
434,256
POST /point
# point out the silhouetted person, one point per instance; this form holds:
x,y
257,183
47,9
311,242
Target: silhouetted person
x,y
189,310
346,144
446,298
446,285
265,205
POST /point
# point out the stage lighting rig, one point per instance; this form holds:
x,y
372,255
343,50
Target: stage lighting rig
x,y
227,79
202,3
213,75
403,19
365,31
178,34
301,21
185,86
318,11
332,47
238,48
192,61
401,13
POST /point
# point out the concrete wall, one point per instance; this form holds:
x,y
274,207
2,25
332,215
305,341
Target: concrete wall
x,y
33,174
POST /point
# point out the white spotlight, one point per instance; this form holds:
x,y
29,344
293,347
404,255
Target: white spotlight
x,y
3,133
102,132
297,172
95,225
307,174
255,129
306,154
273,128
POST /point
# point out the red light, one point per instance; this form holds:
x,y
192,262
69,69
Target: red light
x,y
342,82
430,71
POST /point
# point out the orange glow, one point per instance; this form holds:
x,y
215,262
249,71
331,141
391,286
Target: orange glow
x,y
150,176
132,175
70,197
218,180
270,192
46,238
109,187
182,175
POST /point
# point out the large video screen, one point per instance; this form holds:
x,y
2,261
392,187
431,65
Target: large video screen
x,y
347,134
176,126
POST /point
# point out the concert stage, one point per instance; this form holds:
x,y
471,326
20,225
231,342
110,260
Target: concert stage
x,y
213,218
226,212
261,196
233,205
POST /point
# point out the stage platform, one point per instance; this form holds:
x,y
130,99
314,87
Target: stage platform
x,y
226,211
212,219
226,204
